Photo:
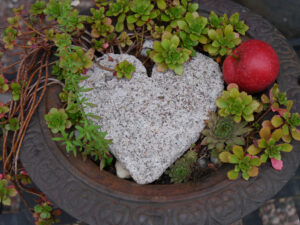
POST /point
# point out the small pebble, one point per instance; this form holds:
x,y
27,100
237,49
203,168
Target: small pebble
x,y
202,163
121,172
214,160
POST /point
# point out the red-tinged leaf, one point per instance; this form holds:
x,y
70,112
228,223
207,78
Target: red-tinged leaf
x,y
296,134
277,121
253,172
277,164
232,86
265,133
268,124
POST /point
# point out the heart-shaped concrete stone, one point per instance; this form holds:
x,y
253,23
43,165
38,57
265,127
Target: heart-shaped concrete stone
x,y
153,120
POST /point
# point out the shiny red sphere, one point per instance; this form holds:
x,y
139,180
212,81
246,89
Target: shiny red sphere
x,y
254,66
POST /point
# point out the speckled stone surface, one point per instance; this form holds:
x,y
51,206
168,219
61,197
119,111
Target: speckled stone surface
x,y
153,120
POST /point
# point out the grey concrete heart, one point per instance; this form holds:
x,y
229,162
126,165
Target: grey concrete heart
x,y
153,120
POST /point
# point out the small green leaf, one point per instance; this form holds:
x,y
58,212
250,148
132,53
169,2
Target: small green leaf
x,y
161,4
232,175
277,121
286,147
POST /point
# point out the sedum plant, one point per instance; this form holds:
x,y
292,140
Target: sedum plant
x,y
101,25
195,26
3,84
245,164
271,149
6,192
238,104
181,170
224,34
15,90
168,55
57,120
224,132
142,13
223,41
119,8
124,69
237,24
45,215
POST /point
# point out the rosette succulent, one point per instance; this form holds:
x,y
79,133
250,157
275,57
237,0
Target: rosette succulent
x,y
195,26
3,84
223,40
181,170
224,131
124,69
9,37
245,164
6,192
57,120
168,55
238,104
143,12
288,123
101,25
238,25
119,8
268,143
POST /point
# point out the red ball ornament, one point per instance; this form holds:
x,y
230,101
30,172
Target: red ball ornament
x,y
254,66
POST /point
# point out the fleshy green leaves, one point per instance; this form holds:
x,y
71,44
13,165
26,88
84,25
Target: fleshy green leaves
x,y
168,55
124,69
224,34
181,170
238,104
222,133
38,8
245,164
6,192
15,90
57,120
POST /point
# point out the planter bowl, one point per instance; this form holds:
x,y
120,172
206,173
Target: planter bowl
x,y
102,198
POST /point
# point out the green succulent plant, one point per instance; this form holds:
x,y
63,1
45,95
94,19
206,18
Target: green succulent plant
x,y
75,60
15,90
168,55
215,21
223,41
124,69
101,25
187,42
172,15
268,143
3,84
195,26
288,123
3,110
125,40
181,170
38,8
156,31
57,120
238,104
245,164
224,132
6,192
67,17
9,37
238,25
142,13
44,210
119,8
13,124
